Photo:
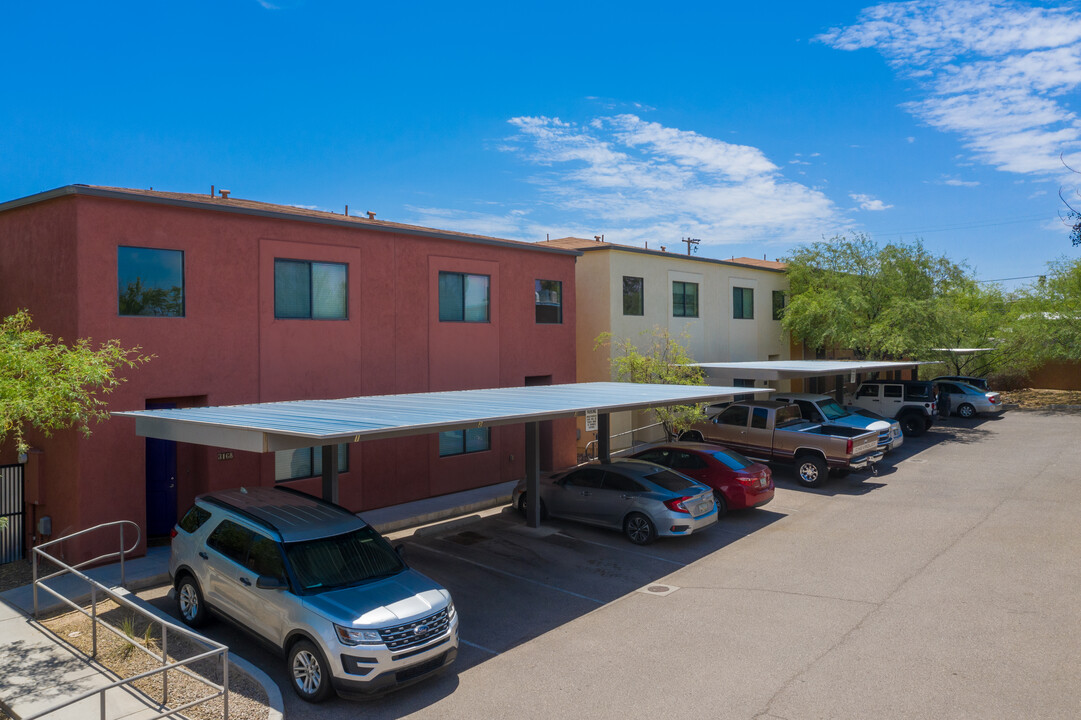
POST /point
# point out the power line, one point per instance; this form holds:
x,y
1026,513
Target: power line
x,y
1019,277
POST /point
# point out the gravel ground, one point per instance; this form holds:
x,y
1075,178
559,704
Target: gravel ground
x,y
15,574
247,699
1036,399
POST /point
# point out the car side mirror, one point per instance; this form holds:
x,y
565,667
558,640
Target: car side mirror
x,y
269,582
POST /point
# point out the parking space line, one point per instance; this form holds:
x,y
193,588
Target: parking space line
x,y
677,563
478,647
509,574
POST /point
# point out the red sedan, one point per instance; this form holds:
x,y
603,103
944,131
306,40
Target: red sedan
x,y
736,481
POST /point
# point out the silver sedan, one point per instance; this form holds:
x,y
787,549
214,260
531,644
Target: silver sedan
x,y
967,400
643,500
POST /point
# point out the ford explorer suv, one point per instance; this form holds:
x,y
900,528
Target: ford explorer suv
x,y
910,402
315,582
823,408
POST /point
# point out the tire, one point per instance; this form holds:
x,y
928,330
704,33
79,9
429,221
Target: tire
x,y
811,470
639,529
912,424
722,504
524,508
309,672
966,411
692,436
189,602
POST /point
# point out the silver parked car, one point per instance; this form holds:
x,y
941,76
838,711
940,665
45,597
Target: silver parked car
x,y
642,499
968,400
316,582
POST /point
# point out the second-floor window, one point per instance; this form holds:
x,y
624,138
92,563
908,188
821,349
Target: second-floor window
x,y
463,298
314,290
549,300
743,303
150,281
778,304
684,299
633,295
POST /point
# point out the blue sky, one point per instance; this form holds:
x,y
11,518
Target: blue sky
x,y
751,128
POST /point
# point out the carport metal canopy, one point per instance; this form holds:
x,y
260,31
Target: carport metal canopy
x,y
268,427
792,369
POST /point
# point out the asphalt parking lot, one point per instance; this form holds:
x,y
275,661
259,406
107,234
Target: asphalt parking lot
x,y
943,587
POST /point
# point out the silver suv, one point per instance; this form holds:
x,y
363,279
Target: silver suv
x,y
318,583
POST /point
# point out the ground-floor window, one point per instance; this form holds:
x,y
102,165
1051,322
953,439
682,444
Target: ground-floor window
x,y
460,442
306,462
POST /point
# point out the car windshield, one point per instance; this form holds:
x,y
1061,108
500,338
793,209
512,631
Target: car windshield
x,y
671,481
732,459
832,410
343,560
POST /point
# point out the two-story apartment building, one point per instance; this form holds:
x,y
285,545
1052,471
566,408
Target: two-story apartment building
x,y
720,310
242,302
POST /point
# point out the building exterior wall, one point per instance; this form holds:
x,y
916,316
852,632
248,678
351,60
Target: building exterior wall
x,y
713,336
59,260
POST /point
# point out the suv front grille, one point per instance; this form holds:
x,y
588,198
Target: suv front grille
x,y
418,632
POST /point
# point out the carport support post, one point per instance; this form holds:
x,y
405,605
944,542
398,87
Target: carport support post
x,y
330,473
532,474
839,390
604,438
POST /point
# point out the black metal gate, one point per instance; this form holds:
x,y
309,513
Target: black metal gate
x,y
11,508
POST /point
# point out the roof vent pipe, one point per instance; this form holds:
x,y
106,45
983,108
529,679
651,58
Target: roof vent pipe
x,y
225,194
664,249
596,238
211,191
347,211
371,215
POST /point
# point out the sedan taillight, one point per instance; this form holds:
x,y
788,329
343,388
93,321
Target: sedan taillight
x,y
676,504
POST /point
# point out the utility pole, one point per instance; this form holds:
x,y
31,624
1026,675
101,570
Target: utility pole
x,y
690,241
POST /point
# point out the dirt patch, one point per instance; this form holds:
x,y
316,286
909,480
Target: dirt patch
x,y
1037,399
126,656
15,574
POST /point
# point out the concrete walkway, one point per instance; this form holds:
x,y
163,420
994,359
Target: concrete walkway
x,y
40,671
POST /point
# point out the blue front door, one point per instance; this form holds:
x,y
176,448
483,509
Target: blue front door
x,y
160,481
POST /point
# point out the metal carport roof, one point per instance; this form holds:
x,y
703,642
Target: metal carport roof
x,y
789,369
267,427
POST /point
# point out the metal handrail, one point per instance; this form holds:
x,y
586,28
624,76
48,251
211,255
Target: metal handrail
x,y
216,649
592,444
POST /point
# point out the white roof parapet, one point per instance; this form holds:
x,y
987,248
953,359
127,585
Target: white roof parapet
x,y
267,427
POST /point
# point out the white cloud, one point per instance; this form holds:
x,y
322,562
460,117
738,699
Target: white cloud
x,y
956,182
869,202
1001,74
910,139
636,180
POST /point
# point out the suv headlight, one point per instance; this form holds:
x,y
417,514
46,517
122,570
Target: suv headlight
x,y
451,612
353,636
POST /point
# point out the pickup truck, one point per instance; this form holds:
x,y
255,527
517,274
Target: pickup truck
x,y
775,432
823,408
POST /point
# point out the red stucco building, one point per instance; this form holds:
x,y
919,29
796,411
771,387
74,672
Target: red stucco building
x,y
244,302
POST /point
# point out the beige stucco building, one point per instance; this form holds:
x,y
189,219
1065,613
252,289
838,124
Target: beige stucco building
x,y
722,310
